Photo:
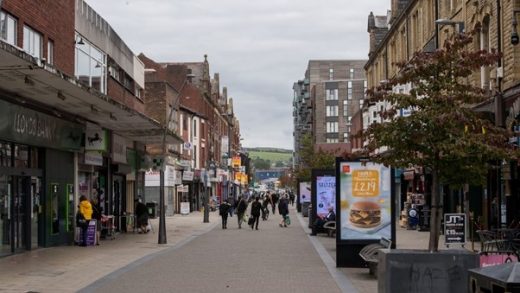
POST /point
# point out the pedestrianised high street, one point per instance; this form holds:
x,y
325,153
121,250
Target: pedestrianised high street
x,y
242,146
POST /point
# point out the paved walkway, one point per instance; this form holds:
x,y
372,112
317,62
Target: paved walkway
x,y
70,268
270,259
198,258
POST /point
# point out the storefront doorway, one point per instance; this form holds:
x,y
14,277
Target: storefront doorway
x,y
19,213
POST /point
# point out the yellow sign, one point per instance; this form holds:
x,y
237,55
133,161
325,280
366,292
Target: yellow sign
x,y
365,183
238,176
244,179
236,162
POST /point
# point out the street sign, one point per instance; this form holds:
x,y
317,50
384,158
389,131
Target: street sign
x,y
454,229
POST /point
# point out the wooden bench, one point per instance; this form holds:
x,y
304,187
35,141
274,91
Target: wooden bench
x,y
370,252
330,227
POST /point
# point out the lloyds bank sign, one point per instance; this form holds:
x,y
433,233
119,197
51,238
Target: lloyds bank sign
x,y
26,126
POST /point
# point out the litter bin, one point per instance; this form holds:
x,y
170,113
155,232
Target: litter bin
x,y
311,216
305,209
152,209
494,279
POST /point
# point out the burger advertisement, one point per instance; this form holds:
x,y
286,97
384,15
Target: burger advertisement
x,y
365,201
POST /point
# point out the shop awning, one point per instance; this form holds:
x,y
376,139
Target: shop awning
x,y
28,80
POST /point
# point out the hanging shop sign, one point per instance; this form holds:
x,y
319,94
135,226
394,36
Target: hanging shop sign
x,y
187,176
93,158
96,138
224,147
22,125
236,162
118,149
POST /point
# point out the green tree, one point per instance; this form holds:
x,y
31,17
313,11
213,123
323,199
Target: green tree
x,y
310,158
261,164
453,143
279,164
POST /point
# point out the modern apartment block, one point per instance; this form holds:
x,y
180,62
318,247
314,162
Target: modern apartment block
x,y
334,90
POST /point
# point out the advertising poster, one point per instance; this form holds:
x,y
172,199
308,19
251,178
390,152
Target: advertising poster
x,y
305,192
365,201
325,194
454,229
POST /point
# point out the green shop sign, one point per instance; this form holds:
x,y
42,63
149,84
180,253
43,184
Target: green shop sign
x,y
22,125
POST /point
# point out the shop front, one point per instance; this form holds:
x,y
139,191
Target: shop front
x,y
36,178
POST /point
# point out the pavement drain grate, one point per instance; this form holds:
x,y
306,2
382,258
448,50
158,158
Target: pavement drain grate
x,y
42,274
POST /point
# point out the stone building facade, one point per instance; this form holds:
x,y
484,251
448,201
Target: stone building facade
x,y
423,25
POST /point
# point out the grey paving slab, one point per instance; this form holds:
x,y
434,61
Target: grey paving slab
x,y
270,259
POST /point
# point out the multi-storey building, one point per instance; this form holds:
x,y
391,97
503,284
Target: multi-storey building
x,y
335,91
73,123
423,25
302,116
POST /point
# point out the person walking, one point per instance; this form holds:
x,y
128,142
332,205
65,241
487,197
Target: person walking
x,y
265,207
232,203
274,200
96,215
85,211
141,213
291,197
283,209
255,212
224,211
241,207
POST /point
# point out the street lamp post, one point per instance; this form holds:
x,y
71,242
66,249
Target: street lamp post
x,y
162,212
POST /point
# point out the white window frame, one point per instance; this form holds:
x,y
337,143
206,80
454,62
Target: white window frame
x,y
331,73
351,73
349,90
10,33
50,52
332,111
32,42
332,127
331,94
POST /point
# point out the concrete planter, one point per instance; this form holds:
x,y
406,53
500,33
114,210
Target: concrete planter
x,y
403,270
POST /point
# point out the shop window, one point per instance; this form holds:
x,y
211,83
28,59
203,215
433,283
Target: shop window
x,y
21,156
5,154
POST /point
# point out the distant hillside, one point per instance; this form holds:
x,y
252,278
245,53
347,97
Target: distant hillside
x,y
267,149
265,158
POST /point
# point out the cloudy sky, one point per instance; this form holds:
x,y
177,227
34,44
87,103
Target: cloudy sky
x,y
259,47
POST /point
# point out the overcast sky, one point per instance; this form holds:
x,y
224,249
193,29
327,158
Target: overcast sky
x,y
260,48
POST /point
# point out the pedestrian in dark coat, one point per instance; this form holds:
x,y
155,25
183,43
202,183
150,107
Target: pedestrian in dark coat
x,y
256,207
283,209
223,211
241,207
265,207
291,197
274,201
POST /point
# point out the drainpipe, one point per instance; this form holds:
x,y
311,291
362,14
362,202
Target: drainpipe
x,y
436,26
499,108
